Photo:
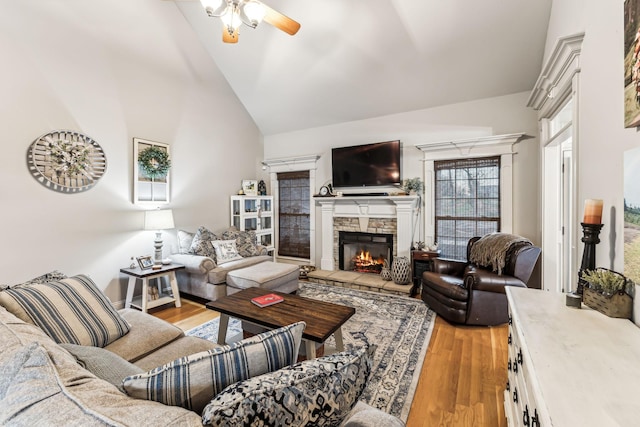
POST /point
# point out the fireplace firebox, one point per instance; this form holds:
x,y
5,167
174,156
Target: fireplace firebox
x,y
364,252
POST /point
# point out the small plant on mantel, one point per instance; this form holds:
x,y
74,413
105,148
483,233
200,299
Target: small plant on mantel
x,y
605,281
412,185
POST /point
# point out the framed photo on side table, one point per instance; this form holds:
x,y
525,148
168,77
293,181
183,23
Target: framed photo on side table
x,y
145,262
250,187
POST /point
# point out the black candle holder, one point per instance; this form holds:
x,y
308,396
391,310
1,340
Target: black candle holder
x,y
590,238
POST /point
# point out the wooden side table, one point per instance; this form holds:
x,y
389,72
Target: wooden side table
x,y
421,261
143,303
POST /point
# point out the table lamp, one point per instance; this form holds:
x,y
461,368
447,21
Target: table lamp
x,y
158,220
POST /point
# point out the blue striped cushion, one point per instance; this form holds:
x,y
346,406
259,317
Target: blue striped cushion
x,y
71,310
192,381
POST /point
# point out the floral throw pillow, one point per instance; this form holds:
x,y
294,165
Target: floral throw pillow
x,y
201,244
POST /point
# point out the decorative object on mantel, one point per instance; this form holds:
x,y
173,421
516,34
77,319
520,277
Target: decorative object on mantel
x,y
608,292
591,227
401,270
413,186
151,172
66,161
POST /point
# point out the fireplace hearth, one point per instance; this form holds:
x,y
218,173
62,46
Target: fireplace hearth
x,y
364,252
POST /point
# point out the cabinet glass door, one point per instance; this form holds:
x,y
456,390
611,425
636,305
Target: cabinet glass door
x,y
250,205
265,205
265,224
265,240
250,224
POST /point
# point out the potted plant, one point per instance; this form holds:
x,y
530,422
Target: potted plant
x,y
412,186
608,292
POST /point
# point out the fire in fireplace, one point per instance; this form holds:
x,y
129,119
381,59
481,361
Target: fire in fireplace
x,y
364,252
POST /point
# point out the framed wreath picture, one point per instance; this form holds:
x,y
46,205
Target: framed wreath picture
x,y
151,172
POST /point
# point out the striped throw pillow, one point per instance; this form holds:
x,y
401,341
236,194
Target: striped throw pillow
x,y
71,310
192,381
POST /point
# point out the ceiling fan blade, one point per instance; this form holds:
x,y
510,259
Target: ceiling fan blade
x,y
229,38
280,21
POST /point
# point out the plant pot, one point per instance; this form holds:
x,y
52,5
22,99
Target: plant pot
x,y
619,305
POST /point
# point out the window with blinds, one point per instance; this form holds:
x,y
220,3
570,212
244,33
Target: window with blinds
x,y
467,202
293,214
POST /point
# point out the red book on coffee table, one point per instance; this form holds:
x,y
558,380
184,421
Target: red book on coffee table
x,y
267,300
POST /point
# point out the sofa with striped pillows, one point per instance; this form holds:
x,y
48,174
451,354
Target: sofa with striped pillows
x,y
68,357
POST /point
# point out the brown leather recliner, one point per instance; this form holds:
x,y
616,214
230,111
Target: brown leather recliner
x,y
464,293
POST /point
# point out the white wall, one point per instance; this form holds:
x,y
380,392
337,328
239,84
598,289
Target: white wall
x,y
603,138
494,116
113,69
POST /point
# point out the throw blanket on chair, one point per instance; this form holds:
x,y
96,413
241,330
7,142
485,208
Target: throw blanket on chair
x,y
491,250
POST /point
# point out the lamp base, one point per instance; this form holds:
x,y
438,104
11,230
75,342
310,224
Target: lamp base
x,y
157,244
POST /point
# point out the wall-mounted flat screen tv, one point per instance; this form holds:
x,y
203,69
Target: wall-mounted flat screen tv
x,y
368,165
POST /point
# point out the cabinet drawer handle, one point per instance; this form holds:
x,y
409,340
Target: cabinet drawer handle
x,y
525,416
515,395
520,356
515,366
535,422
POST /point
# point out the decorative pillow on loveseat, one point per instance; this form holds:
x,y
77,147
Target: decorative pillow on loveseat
x,y
71,310
245,241
319,392
192,381
202,243
226,251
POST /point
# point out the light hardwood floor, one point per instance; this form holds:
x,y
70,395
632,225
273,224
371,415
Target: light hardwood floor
x,y
462,380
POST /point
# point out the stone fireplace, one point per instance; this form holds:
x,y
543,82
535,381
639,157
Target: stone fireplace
x,y
384,215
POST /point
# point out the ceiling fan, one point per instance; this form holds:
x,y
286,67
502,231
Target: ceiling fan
x,y
234,13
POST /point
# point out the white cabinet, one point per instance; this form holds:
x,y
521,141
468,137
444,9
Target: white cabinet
x,y
254,213
567,366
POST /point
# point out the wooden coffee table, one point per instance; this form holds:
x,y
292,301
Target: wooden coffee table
x,y
322,318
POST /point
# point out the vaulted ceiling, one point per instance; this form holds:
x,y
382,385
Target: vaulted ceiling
x,y
357,59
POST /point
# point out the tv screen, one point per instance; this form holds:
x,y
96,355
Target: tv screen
x,y
367,165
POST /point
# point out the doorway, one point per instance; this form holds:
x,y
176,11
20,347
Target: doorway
x,y
559,190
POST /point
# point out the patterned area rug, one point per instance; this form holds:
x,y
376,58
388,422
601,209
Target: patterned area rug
x,y
209,330
401,328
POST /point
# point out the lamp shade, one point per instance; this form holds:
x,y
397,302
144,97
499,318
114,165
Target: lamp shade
x,y
158,219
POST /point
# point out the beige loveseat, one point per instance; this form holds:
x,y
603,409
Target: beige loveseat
x,y
43,382
202,276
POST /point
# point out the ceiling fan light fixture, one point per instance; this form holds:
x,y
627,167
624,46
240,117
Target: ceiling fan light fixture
x,y
214,7
252,13
231,19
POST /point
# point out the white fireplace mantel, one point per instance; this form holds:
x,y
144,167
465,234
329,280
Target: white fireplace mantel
x,y
401,208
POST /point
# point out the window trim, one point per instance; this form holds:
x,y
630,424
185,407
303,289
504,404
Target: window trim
x,y
487,146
